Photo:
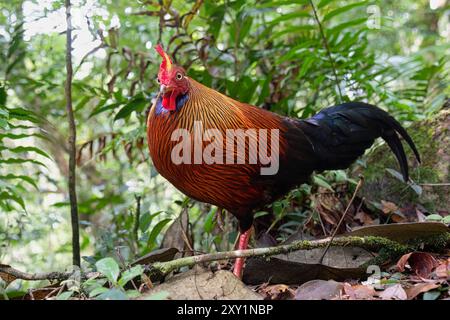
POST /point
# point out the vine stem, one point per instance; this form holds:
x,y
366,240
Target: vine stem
x,y
72,142
327,48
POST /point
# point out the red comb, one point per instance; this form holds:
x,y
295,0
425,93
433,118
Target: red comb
x,y
167,62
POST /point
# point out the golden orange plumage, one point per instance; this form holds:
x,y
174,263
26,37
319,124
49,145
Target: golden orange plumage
x,y
229,186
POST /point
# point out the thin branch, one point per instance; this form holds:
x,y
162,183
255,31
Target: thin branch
x,y
72,143
358,186
91,52
327,48
372,243
59,276
136,221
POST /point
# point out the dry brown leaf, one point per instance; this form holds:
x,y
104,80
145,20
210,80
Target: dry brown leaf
x,y
319,290
359,292
7,277
277,292
364,218
419,288
421,263
443,270
388,207
394,292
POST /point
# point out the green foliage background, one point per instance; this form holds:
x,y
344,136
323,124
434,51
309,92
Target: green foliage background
x,y
269,53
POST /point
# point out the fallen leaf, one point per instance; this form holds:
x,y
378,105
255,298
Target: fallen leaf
x,y
401,232
388,207
359,292
443,270
364,218
421,263
395,292
419,288
159,255
277,292
179,236
319,290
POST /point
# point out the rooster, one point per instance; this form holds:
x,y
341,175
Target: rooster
x,y
332,139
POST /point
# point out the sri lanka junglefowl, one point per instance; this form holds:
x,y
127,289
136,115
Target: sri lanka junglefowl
x,y
240,157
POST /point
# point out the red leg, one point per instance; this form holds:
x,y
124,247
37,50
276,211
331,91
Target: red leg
x,y
243,243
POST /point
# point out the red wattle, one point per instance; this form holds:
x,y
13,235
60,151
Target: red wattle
x,y
169,101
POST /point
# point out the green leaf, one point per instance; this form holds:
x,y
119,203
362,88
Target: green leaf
x,y
82,103
307,63
97,291
431,295
446,220
130,274
102,108
9,196
26,149
293,15
278,3
4,125
260,214
146,219
320,181
209,221
395,174
23,114
323,3
113,294
136,104
434,217
343,9
417,189
21,161
340,27
109,268
65,295
156,231
27,179
19,136
3,96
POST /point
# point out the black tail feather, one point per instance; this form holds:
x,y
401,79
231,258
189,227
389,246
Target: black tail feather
x,y
340,134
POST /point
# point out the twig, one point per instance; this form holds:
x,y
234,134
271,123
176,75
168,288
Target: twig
x,y
34,276
435,184
370,243
83,60
137,217
358,186
72,143
327,48
183,232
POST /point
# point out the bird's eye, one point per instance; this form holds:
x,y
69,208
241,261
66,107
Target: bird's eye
x,y
157,80
179,76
